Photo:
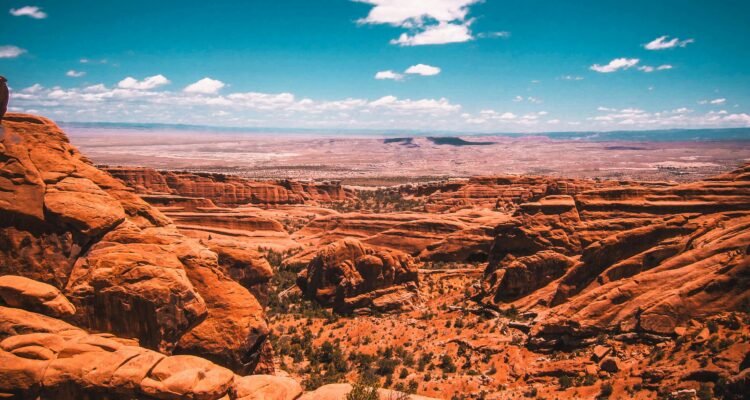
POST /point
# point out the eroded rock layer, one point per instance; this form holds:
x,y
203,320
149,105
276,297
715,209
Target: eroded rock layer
x,y
351,277
626,258
123,265
226,190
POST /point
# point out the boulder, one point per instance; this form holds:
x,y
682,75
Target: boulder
x,y
266,387
351,277
20,292
47,358
600,352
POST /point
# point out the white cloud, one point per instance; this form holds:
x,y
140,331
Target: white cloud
x,y
648,68
406,12
423,69
714,101
149,83
90,61
28,11
205,86
530,99
35,88
661,43
615,65
101,102
75,74
428,21
742,118
506,118
392,103
381,75
10,51
680,117
494,35
572,78
442,33
257,100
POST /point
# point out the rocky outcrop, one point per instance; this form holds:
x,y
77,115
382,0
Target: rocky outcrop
x,y
121,263
20,292
240,261
626,258
353,278
266,387
464,236
43,357
494,192
227,190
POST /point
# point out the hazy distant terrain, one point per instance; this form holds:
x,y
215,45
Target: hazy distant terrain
x,y
375,158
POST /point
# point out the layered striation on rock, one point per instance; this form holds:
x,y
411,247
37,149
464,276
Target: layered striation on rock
x,y
226,190
494,192
462,236
122,264
626,258
353,278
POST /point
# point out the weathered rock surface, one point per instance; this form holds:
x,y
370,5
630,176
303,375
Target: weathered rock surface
x,y
123,265
240,261
462,236
227,190
20,292
351,277
45,357
266,387
626,258
494,192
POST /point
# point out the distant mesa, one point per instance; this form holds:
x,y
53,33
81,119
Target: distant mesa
x,y
407,142
456,141
438,140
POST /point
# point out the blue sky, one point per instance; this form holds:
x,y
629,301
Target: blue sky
x,y
462,65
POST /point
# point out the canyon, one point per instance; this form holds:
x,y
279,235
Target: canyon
x,y
127,282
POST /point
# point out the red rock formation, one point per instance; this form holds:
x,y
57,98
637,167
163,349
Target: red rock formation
x,y
43,357
626,258
494,192
464,236
17,291
120,262
350,277
227,190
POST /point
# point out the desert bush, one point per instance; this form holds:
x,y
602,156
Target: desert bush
x,y
447,364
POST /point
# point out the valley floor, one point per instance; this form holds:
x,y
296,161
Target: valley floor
x,y
375,161
451,348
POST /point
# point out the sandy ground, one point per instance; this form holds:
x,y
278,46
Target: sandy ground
x,y
368,160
